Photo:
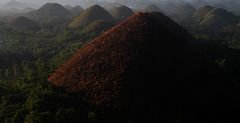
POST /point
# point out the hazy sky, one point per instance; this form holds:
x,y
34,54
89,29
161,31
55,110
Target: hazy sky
x,y
44,1
79,1
74,2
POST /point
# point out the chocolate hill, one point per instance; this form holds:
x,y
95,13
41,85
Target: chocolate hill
x,y
218,18
121,13
147,69
152,8
25,23
76,10
90,15
200,13
50,11
13,4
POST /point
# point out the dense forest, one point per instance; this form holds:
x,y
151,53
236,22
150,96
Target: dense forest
x,y
34,44
28,56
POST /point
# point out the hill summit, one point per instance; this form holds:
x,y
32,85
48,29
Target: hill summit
x,y
90,15
50,11
147,69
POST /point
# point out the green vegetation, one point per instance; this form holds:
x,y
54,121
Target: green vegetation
x,y
121,13
27,59
90,15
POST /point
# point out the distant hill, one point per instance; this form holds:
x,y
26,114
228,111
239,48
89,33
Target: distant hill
x,y
76,10
184,11
199,3
179,12
152,8
104,4
121,13
200,13
218,18
28,9
13,4
23,23
147,69
50,12
68,7
90,15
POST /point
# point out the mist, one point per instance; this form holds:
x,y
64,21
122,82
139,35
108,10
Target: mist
x,y
231,5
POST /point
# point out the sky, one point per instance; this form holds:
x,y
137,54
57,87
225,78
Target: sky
x,y
74,2
79,1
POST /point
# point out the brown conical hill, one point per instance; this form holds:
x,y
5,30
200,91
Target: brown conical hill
x,y
90,15
148,67
121,13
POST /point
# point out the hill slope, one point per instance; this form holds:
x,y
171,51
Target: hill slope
x,y
200,13
147,69
25,23
97,27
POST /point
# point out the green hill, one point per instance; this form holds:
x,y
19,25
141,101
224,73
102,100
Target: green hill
x,y
50,12
181,12
76,10
121,13
202,12
97,27
90,15
218,18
